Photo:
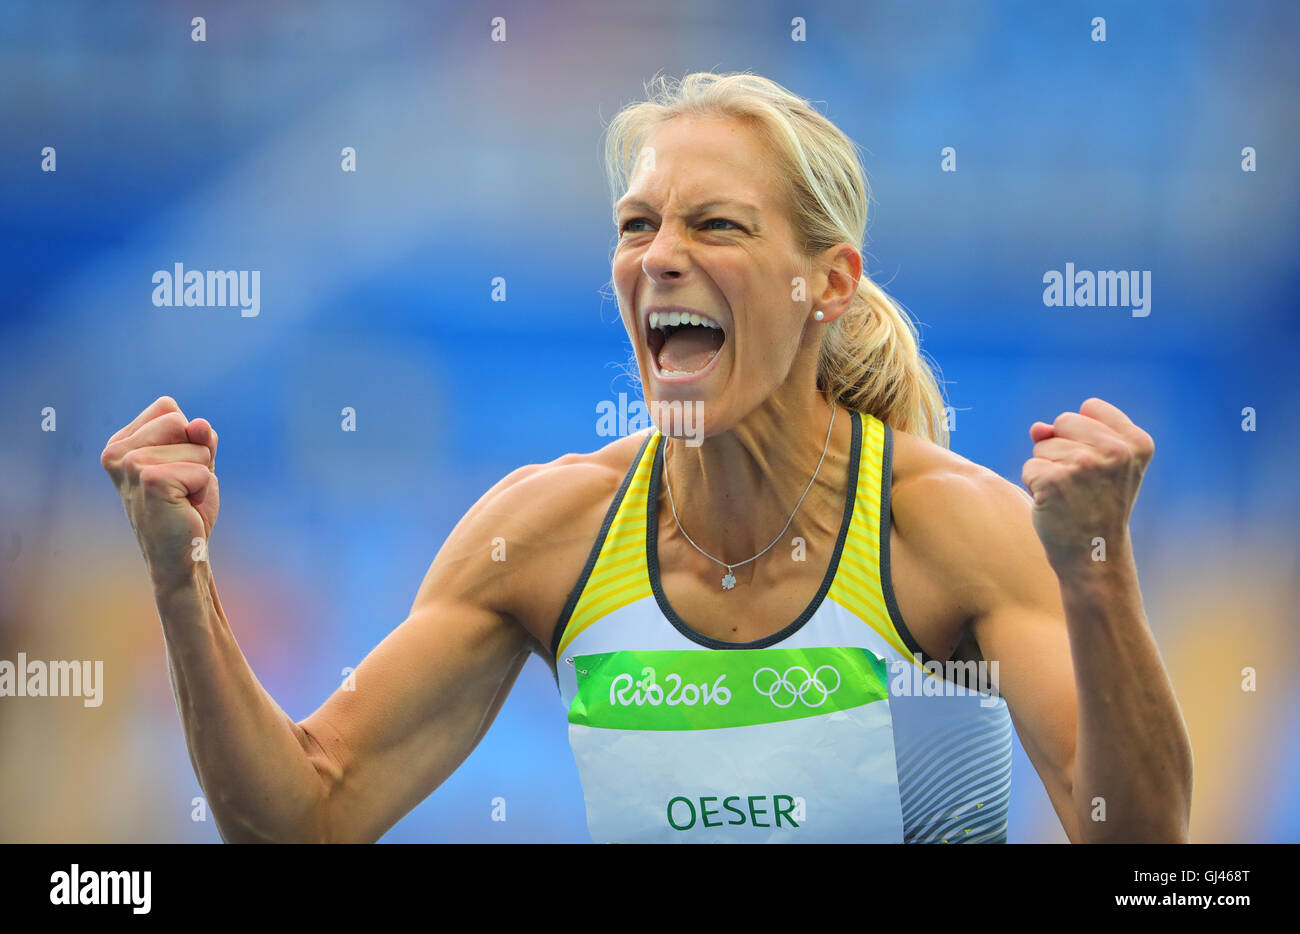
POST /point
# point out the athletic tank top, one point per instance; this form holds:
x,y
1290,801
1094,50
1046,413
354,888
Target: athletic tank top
x,y
837,728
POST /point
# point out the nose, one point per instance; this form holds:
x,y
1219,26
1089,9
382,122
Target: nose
x,y
666,257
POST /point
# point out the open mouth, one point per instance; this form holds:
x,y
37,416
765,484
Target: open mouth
x,y
683,343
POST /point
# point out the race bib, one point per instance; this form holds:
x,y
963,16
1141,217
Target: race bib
x,y
736,745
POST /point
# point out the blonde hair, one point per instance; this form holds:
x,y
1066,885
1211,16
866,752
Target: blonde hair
x,y
870,359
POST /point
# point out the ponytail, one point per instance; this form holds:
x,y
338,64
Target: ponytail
x,y
871,362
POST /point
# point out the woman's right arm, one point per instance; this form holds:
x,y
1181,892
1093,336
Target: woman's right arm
x,y
414,708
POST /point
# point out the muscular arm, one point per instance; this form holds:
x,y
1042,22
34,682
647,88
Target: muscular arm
x,y
427,694
418,703
414,710
1078,666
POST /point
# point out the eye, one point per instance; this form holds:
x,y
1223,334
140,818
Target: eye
x,y
627,225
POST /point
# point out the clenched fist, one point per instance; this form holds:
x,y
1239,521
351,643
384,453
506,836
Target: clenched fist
x,y
161,464
1084,477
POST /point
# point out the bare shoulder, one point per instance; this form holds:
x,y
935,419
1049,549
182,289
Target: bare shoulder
x,y
922,468
972,527
537,526
545,496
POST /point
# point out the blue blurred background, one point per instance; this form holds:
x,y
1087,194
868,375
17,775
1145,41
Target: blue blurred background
x,y
479,159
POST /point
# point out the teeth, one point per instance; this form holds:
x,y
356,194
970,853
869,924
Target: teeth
x,y
671,319
712,354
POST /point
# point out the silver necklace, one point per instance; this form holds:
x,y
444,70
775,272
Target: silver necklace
x,y
729,579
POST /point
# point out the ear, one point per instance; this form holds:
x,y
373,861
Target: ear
x,y
841,269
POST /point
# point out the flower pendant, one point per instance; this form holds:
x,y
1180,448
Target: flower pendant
x,y
728,580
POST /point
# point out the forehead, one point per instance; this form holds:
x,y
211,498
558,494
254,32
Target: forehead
x,y
698,159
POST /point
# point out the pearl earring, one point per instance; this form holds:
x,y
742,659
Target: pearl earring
x,y
818,315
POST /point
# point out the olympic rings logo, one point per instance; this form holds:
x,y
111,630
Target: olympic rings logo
x,y
796,684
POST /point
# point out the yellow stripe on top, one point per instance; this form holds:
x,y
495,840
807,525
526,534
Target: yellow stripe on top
x,y
857,585
620,575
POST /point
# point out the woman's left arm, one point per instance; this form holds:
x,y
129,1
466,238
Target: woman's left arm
x,y
1133,758
1050,590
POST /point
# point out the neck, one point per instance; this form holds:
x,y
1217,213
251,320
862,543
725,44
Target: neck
x,y
735,492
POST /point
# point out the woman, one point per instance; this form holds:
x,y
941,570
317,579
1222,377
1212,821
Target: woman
x,y
744,630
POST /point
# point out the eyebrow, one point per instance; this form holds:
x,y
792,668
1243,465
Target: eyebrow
x,y
693,212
